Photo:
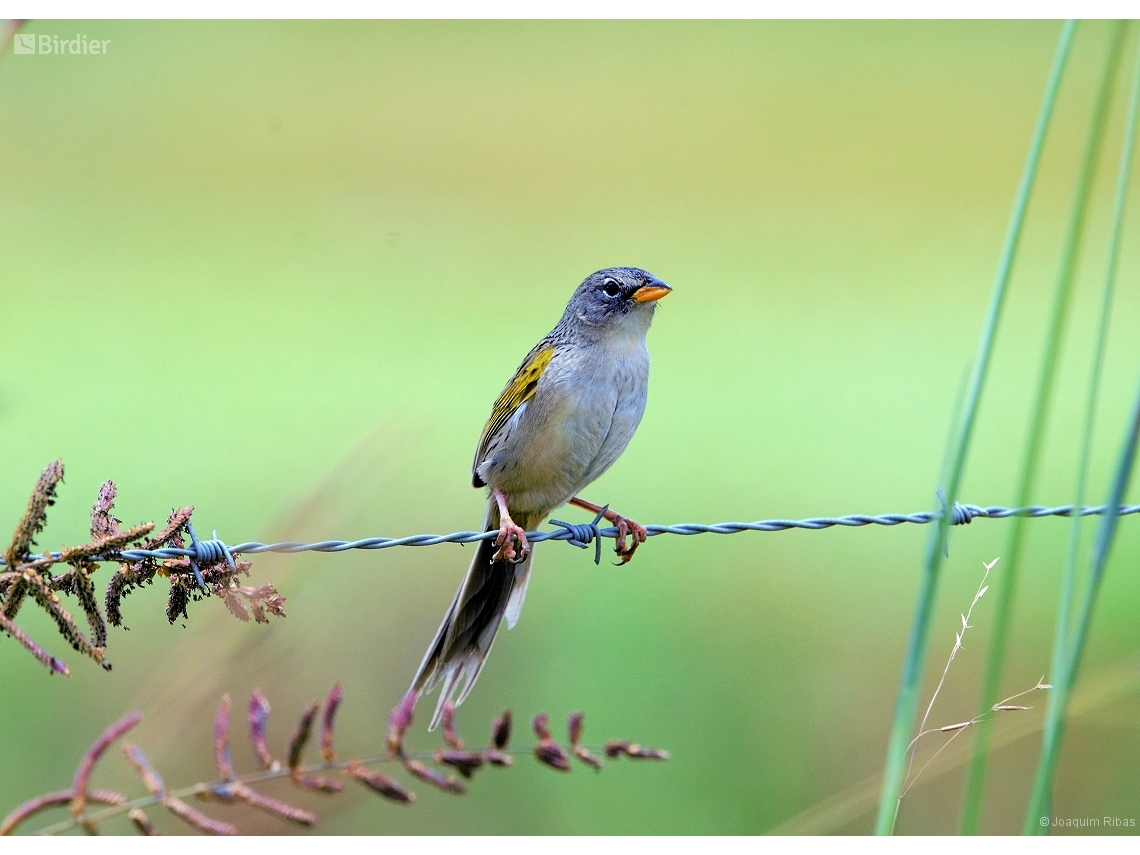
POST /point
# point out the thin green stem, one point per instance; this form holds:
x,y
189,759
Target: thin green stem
x,y
1055,713
1041,798
1005,583
906,704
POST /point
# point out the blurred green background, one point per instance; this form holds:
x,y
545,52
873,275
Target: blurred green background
x,y
280,271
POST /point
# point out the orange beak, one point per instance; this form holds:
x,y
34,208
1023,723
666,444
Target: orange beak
x,y
651,293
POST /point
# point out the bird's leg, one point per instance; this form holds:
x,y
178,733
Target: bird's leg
x,y
508,534
625,527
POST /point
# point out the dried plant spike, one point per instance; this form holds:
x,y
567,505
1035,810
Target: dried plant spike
x,y
634,751
301,735
232,788
259,800
575,729
447,783
97,749
328,721
399,722
614,748
553,755
103,524
178,600
31,807
235,603
586,757
105,797
15,597
140,820
548,752
501,730
258,719
464,762
110,545
222,758
449,734
317,783
542,727
54,665
497,758
171,534
32,523
65,623
152,780
84,590
197,819
380,783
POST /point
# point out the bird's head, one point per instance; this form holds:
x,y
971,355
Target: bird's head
x,y
616,300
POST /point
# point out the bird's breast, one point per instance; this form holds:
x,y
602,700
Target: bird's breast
x,y
586,406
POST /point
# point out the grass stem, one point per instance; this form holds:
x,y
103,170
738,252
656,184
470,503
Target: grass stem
x,y
1005,582
1063,667
906,703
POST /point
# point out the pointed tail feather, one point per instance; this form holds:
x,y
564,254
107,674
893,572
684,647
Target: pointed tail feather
x,y
490,591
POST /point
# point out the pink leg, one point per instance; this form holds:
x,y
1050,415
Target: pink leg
x,y
625,527
508,534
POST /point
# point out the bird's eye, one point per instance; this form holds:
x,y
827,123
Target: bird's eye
x,y
611,288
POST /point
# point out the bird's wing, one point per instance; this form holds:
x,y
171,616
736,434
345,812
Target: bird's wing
x,y
518,391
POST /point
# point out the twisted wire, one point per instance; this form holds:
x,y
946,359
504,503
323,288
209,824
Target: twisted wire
x,y
583,534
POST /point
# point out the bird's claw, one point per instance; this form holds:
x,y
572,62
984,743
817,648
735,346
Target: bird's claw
x,y
508,534
625,528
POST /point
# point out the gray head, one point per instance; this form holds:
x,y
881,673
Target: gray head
x,y
615,300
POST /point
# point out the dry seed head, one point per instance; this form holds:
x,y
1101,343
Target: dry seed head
x,y
301,735
553,755
464,762
222,758
575,729
399,722
258,718
380,783
32,523
328,721
447,783
542,727
141,822
501,730
449,734
950,728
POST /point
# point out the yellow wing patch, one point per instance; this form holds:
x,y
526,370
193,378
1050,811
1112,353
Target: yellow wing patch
x,y
519,390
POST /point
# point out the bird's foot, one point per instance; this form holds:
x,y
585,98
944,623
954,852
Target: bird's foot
x,y
509,533
627,528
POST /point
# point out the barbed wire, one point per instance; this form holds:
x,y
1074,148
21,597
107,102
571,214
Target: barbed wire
x,y
583,534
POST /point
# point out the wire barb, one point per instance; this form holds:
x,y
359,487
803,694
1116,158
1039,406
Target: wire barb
x,y
583,533
208,552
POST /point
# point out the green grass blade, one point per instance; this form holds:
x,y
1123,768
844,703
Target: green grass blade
x,y
1062,675
911,681
1068,581
1005,581
1062,688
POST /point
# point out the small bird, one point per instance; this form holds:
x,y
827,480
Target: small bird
x,y
562,420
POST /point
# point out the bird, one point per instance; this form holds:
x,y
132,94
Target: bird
x,y
562,420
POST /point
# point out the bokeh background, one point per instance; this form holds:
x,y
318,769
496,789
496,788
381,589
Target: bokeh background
x,y
280,271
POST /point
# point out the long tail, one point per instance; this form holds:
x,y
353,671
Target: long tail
x,y
490,591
